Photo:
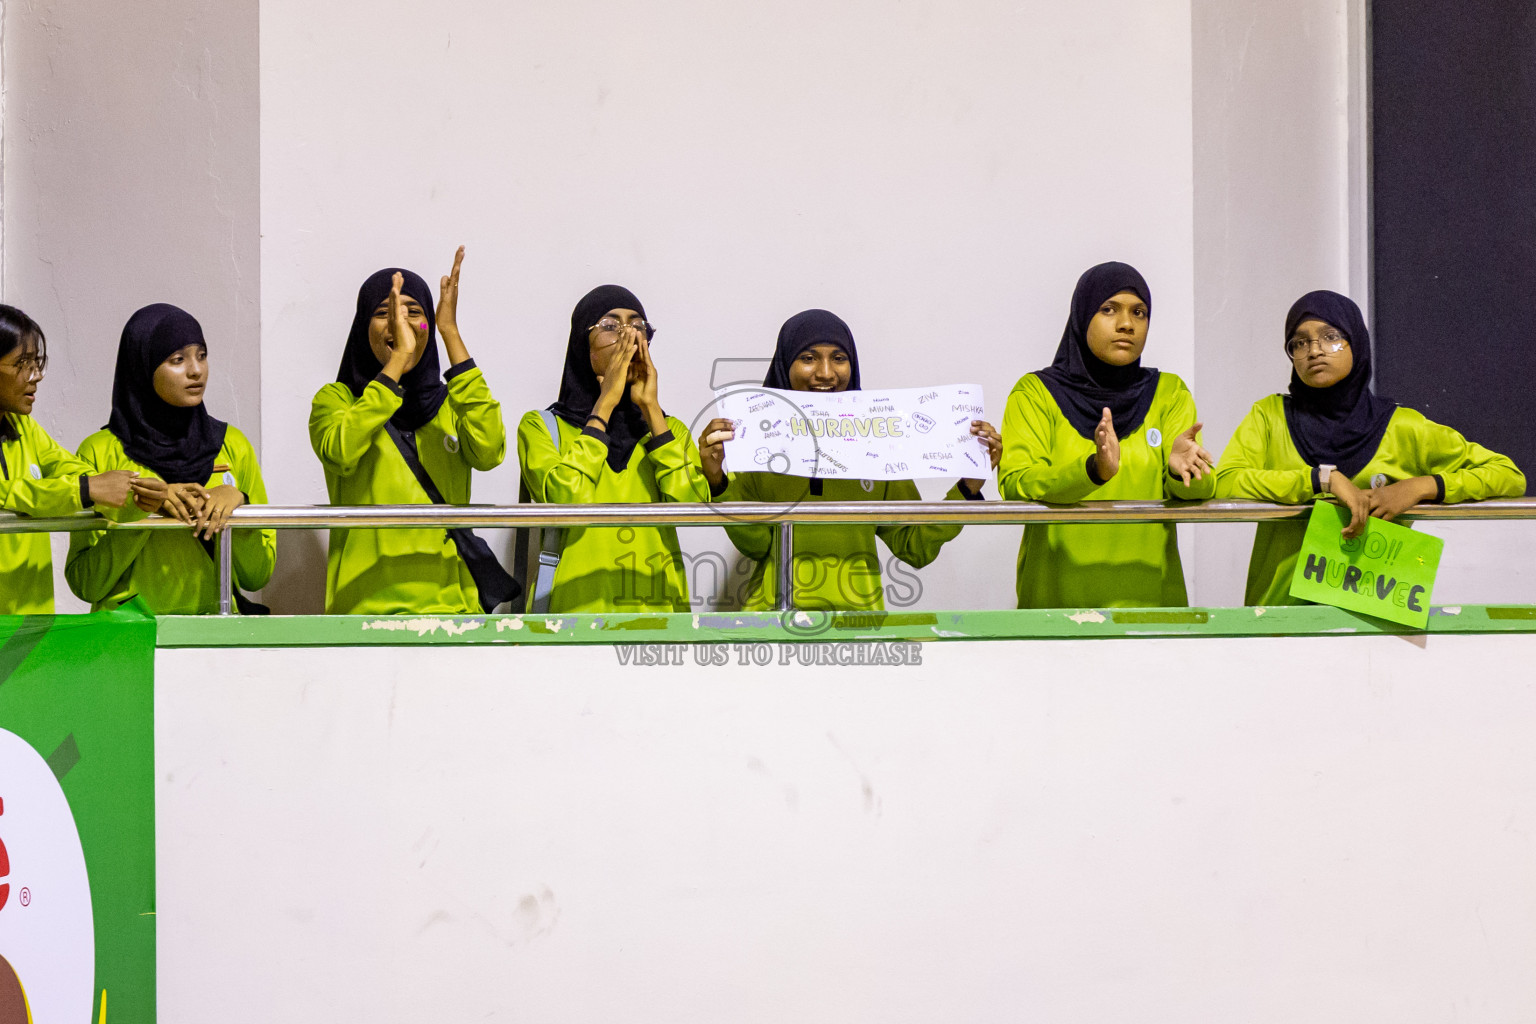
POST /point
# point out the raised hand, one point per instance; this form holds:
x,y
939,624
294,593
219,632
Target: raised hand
x,y
448,297
615,378
1352,498
1188,458
1106,455
712,449
402,338
114,487
643,385
217,506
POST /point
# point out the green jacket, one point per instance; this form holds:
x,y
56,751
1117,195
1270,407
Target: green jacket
x,y
387,572
170,569
1111,565
626,568
1261,463
836,567
38,477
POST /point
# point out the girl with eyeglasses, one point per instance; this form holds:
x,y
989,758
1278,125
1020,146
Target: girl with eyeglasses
x,y
1332,435
1096,425
187,465
393,429
835,567
38,477
606,439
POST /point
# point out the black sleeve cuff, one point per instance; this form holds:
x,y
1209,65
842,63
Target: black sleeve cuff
x,y
86,502
967,493
458,368
1093,472
659,440
591,431
1317,480
392,385
1439,488
725,483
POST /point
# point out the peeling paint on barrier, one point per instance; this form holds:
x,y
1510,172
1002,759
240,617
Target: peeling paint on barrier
x,y
514,623
421,627
1088,616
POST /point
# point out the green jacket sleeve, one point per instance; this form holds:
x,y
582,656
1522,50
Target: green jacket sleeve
x,y
755,540
679,473
1032,467
1247,468
1180,417
57,493
255,550
914,543
1470,471
564,477
482,436
96,561
341,428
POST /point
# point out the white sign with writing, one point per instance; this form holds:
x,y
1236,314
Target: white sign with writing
x,y
902,434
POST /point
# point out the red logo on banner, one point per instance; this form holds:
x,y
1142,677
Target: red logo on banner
x,y
5,866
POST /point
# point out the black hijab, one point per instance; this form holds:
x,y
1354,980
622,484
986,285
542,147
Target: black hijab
x,y
800,332
578,383
1082,383
181,445
423,383
1341,425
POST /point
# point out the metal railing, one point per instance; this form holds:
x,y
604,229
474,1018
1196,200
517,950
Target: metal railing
x,y
785,516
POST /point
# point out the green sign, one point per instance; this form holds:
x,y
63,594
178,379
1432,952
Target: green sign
x,y
1388,571
77,818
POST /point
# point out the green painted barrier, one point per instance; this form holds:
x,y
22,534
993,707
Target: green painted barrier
x,y
77,718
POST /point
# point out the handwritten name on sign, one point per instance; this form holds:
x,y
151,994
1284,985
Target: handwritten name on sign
x,y
1388,571
905,434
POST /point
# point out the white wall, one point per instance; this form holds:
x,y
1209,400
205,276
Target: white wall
x,y
1122,830
938,175
130,176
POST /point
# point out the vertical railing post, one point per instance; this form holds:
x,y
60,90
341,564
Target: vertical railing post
x,y
226,546
786,566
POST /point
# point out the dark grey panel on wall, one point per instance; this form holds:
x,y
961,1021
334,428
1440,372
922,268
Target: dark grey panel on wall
x,y
1453,105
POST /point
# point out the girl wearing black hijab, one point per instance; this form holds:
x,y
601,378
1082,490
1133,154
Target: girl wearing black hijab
x,y
1096,425
394,430
189,465
1332,435
836,567
607,440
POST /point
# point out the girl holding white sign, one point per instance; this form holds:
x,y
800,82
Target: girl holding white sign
x,y
1097,425
1330,434
606,439
835,567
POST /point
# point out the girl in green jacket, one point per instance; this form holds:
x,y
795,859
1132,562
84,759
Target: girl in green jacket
x,y
1330,434
1097,425
189,465
835,567
37,476
390,408
608,441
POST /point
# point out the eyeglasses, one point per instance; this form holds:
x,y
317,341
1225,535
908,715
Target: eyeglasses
x,y
28,368
610,325
1330,342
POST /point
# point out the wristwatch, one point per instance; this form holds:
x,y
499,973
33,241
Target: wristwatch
x,y
1323,475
